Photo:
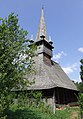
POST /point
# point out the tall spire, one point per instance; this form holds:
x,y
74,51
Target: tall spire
x,y
42,27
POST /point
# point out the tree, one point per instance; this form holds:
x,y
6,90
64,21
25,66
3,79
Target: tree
x,y
79,86
80,100
81,67
15,59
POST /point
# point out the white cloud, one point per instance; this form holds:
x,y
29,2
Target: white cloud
x,y
80,49
59,56
70,69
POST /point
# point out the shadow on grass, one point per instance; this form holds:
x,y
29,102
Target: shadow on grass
x,y
23,114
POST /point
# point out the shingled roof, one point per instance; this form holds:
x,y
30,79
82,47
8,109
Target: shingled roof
x,y
48,77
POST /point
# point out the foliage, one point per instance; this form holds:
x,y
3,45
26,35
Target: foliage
x,y
79,86
15,59
80,99
27,113
36,113
81,67
30,98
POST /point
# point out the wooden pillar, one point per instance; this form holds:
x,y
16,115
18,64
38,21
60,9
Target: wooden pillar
x,y
54,102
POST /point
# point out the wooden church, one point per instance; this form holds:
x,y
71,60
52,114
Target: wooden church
x,y
50,79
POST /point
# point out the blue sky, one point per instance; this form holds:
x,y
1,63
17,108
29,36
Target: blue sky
x,y
64,23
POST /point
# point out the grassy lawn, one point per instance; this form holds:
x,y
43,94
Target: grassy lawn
x,y
36,113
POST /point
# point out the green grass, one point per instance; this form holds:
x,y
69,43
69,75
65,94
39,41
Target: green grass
x,y
36,113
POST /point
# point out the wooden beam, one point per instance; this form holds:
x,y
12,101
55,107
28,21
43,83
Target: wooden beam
x,y
54,102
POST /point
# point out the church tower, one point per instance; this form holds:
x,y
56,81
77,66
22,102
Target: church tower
x,y
49,77
44,46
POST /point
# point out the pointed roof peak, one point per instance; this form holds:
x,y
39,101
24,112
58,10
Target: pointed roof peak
x,y
42,27
42,12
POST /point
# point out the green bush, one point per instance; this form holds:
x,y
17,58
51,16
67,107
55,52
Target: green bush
x,y
36,113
